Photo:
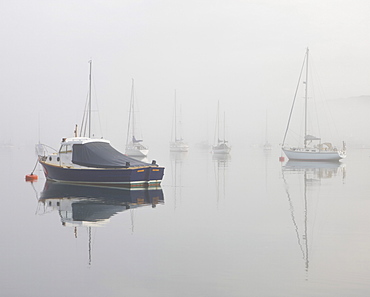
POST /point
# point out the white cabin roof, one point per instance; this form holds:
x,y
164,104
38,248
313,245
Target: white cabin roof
x,y
81,140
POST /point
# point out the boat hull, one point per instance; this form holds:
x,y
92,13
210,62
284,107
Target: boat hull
x,y
305,155
179,147
132,152
130,177
221,149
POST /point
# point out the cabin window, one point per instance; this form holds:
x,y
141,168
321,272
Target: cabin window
x,y
65,148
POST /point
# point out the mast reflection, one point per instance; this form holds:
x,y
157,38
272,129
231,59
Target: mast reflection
x,y
221,162
177,160
300,198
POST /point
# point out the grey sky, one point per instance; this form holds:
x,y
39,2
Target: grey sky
x,y
247,54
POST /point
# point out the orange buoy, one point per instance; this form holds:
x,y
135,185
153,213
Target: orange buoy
x,y
31,177
281,159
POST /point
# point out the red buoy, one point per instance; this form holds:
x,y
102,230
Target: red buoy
x,y
281,159
31,177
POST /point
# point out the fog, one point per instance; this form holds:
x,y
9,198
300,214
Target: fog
x,y
245,54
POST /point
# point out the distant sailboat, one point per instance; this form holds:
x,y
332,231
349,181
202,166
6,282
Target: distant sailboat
x,y
220,146
319,152
177,144
134,146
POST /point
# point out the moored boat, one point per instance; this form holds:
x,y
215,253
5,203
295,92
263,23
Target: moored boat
x,y
177,144
221,146
313,149
84,160
134,146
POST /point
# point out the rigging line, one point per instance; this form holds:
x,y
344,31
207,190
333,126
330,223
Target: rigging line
x,y
315,121
47,146
330,123
33,170
294,99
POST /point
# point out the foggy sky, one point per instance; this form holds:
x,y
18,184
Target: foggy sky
x,y
245,54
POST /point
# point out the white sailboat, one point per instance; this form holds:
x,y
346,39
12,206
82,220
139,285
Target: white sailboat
x,y
134,146
177,144
313,149
221,146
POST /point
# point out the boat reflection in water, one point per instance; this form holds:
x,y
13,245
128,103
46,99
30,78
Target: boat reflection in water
x,y
302,182
80,205
319,169
220,163
177,162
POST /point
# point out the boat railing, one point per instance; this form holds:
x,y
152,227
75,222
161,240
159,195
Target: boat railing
x,y
42,149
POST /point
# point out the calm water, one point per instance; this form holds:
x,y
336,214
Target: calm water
x,y
247,225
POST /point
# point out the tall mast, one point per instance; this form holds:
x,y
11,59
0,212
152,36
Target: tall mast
x,y
224,140
89,104
90,62
133,108
305,102
218,122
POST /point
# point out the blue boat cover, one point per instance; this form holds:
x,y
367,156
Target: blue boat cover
x,y
102,155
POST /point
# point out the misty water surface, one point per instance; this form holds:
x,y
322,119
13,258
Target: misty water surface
x,y
245,225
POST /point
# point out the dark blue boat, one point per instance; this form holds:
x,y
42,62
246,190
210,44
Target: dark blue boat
x,y
84,160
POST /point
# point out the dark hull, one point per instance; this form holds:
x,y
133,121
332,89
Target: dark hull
x,y
131,177
96,203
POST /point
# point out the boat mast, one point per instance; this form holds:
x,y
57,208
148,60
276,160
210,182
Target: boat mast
x,y
224,140
90,62
130,113
175,120
133,109
218,123
294,99
305,102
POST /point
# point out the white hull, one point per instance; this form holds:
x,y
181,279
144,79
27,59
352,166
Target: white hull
x,y
179,147
313,155
136,149
221,148
221,151
133,152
